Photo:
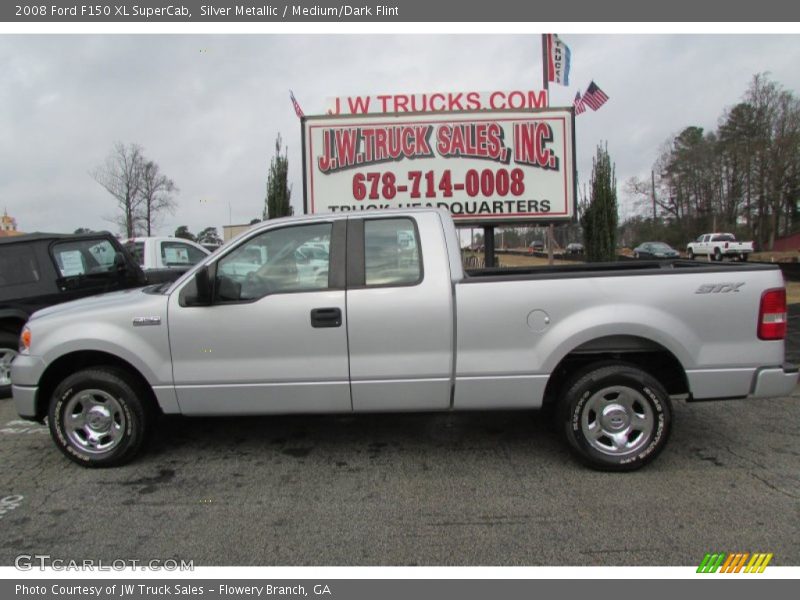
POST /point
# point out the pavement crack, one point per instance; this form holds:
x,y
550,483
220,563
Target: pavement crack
x,y
773,486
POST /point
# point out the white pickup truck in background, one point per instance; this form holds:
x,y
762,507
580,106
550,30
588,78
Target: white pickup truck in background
x,y
719,245
165,252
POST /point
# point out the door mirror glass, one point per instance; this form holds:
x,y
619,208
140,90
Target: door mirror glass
x,y
199,291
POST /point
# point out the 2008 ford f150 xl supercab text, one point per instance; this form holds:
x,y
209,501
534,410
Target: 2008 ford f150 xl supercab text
x,y
373,312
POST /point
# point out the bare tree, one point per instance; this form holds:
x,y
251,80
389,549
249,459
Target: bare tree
x,y
156,192
121,176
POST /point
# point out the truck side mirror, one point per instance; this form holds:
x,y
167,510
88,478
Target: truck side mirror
x,y
203,289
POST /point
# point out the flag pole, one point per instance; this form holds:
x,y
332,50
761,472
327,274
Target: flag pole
x,y
546,87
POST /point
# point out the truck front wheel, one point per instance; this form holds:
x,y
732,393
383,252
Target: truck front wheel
x,y
98,417
8,351
616,417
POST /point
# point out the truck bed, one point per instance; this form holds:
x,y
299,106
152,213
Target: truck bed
x,y
611,269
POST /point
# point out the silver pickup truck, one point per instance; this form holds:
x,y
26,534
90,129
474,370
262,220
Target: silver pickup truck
x,y
384,318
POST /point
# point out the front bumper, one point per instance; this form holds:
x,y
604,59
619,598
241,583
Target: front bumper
x,y
25,401
775,382
26,371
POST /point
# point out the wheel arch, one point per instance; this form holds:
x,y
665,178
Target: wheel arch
x,y
82,359
650,356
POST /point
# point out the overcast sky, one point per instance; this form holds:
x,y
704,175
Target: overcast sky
x,y
207,108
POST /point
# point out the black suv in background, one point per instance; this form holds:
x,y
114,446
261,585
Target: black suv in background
x,y
41,269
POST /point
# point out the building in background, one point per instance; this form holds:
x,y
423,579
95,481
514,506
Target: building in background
x,y
8,225
231,231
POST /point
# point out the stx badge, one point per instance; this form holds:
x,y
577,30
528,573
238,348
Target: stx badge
x,y
719,288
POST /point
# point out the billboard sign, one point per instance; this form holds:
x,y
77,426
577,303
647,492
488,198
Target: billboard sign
x,y
487,166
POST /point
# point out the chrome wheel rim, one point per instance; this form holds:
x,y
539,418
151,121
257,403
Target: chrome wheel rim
x,y
6,356
94,421
617,421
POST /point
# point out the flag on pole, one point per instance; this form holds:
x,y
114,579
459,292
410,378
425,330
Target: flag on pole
x,y
594,96
558,60
297,110
580,107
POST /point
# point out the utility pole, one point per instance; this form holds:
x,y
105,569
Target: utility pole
x,y
653,191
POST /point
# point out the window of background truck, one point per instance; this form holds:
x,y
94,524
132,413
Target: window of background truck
x,y
18,265
176,254
136,250
391,252
85,257
277,261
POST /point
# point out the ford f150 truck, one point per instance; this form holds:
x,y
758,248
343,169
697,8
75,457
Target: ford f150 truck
x,y
395,324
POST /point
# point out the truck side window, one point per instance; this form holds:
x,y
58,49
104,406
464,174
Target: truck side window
x,y
84,257
391,252
136,249
18,265
177,254
290,259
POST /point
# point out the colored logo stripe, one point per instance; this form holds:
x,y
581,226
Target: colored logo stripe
x,y
711,563
734,562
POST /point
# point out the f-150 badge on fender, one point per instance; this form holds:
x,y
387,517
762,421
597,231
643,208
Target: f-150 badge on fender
x,y
144,321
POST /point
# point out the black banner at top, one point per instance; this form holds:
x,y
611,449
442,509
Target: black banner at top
x,y
396,11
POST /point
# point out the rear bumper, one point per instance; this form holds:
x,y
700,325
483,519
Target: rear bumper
x,y
775,382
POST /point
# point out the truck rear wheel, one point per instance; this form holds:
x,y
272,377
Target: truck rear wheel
x,y
99,417
616,417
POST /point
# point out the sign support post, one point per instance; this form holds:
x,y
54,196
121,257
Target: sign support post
x,y
546,88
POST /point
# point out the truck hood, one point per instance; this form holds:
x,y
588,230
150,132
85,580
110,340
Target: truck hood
x,y
131,298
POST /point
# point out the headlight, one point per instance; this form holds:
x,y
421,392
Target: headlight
x,y
25,341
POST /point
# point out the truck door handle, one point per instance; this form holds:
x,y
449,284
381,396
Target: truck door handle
x,y
326,317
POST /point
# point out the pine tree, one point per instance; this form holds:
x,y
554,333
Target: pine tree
x,y
600,218
278,191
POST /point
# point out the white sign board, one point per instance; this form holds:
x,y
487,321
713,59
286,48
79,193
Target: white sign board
x,y
500,166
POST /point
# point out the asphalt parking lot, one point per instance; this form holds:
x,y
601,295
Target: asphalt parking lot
x,y
444,489
467,489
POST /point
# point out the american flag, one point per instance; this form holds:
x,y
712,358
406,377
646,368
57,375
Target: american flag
x,y
594,96
578,104
297,110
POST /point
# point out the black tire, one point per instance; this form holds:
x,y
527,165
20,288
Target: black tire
x,y
626,439
113,391
717,255
9,344
691,254
744,256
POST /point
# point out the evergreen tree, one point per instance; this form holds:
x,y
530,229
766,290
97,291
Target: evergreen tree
x,y
183,232
278,191
600,217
